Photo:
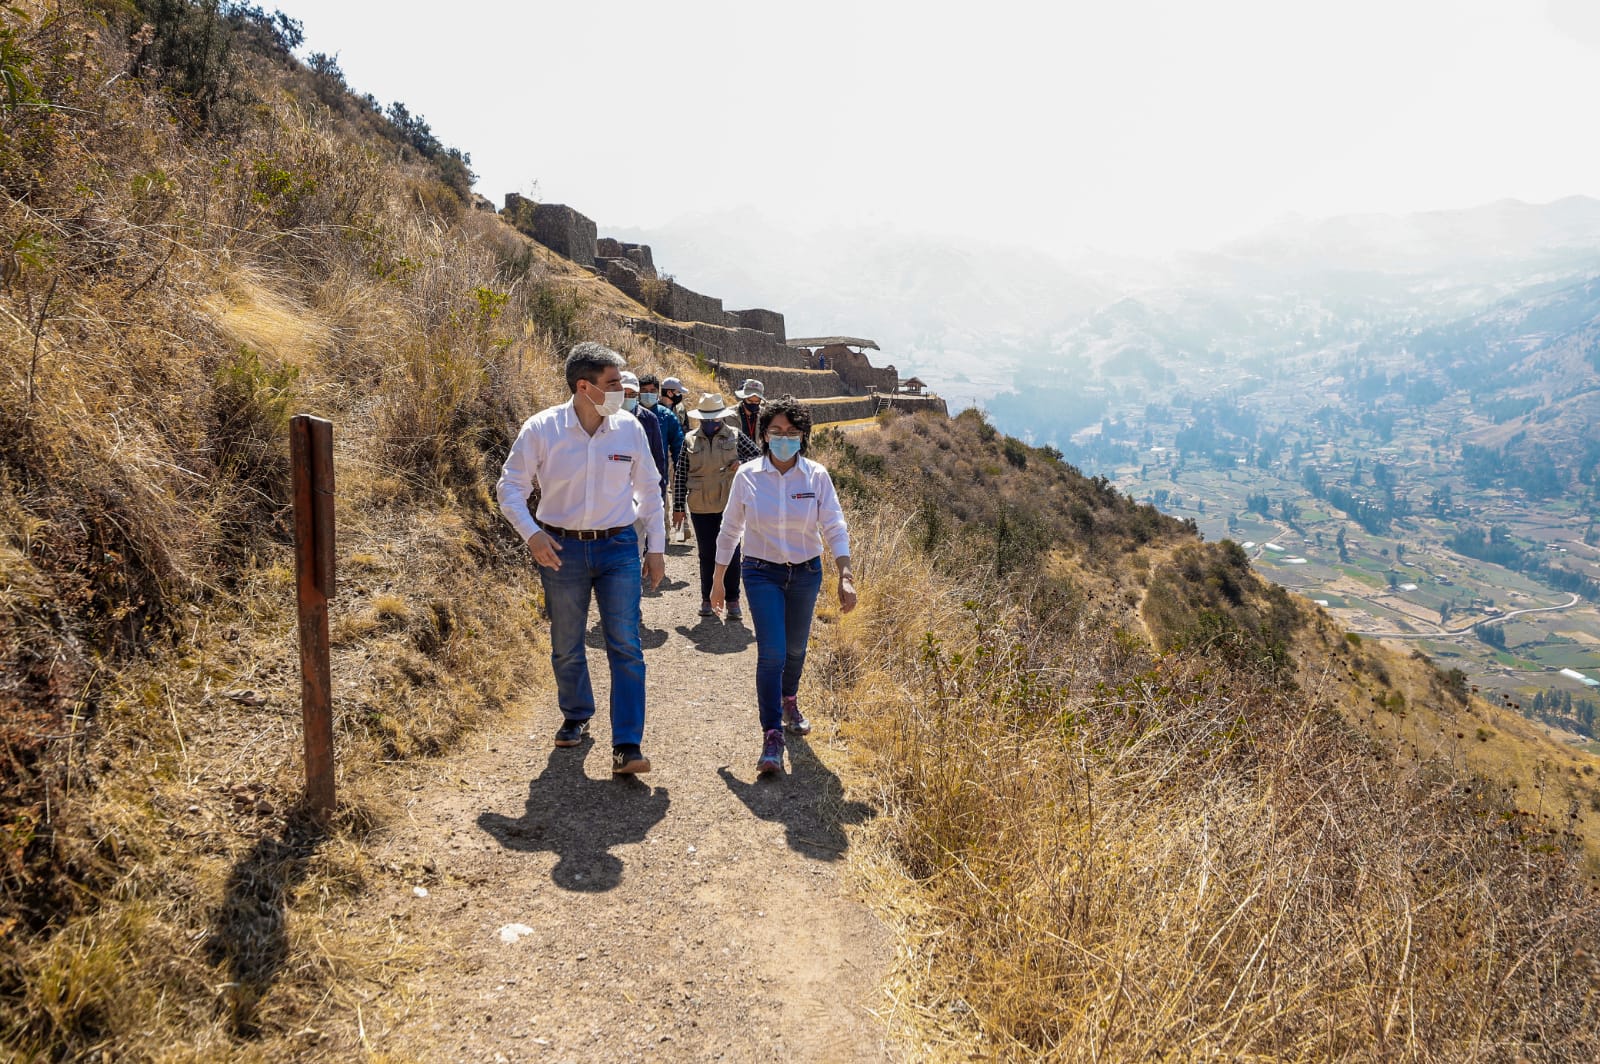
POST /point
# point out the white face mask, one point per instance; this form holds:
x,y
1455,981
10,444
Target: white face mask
x,y
612,404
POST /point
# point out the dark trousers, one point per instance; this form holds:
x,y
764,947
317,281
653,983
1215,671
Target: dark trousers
x,y
706,527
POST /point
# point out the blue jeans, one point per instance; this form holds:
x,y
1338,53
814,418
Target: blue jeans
x,y
610,569
781,599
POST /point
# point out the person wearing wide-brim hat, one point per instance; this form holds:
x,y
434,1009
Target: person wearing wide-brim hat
x,y
712,452
751,395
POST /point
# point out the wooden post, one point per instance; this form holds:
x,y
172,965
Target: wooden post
x,y
311,452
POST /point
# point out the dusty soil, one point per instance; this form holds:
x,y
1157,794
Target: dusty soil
x,y
693,913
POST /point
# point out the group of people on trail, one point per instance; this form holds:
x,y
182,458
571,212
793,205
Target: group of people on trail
x,y
761,512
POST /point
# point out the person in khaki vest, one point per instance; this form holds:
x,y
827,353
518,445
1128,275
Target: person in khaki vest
x,y
712,451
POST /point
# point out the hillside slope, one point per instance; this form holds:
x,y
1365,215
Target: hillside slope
x,y
1129,801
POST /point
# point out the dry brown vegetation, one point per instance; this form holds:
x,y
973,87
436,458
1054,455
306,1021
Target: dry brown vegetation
x,y
1140,805
178,281
1118,852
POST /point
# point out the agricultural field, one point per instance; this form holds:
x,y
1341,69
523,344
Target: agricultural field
x,y
1404,584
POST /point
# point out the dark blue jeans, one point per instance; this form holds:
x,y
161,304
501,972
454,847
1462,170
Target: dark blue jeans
x,y
781,599
609,568
706,528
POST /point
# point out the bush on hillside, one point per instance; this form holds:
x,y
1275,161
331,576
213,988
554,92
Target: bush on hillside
x,y
1207,598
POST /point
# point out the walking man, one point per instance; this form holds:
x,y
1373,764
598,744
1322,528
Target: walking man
x,y
672,397
711,453
750,397
666,418
596,476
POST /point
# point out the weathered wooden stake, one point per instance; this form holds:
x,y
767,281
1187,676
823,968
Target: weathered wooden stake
x,y
311,453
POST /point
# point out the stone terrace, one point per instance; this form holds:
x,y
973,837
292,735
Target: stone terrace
x,y
739,344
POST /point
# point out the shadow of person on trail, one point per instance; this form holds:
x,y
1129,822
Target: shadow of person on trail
x,y
809,802
713,636
649,638
580,819
250,934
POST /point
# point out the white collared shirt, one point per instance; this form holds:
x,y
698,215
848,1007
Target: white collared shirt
x,y
607,480
783,517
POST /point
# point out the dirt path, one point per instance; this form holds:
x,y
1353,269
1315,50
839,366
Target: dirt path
x,y
689,914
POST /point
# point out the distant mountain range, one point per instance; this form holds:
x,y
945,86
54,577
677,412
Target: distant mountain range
x,y
986,322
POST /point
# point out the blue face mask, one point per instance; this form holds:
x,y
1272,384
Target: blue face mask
x,y
649,399
629,404
783,448
710,426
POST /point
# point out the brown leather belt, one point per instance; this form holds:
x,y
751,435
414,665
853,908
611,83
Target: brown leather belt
x,y
582,533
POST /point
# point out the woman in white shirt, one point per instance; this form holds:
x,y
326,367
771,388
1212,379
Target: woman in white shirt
x,y
784,506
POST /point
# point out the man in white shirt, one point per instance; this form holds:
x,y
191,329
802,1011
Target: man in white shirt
x,y
596,476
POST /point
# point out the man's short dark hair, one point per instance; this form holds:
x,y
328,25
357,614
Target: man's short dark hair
x,y
649,378
587,361
791,408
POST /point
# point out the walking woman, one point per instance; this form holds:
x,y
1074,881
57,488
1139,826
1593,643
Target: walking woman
x,y
784,506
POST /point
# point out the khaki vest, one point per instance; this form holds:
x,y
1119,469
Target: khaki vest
x,y
710,479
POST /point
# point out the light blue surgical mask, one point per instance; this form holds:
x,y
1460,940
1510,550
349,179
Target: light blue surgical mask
x,y
783,448
630,404
649,399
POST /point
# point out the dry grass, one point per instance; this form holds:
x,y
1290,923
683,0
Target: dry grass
x,y
1100,852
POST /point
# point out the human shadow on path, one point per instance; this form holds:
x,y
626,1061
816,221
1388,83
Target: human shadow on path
x,y
713,636
649,638
809,802
250,930
579,820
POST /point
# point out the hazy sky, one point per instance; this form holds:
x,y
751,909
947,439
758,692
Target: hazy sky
x,y
1125,125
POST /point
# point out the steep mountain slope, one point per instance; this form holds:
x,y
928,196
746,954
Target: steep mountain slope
x,y
1128,803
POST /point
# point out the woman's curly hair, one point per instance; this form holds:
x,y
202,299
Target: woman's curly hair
x,y
794,410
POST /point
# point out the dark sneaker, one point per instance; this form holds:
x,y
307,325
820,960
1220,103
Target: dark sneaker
x,y
627,760
771,759
793,720
705,608
572,733
734,612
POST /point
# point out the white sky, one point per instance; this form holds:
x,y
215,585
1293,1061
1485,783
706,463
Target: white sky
x,y
1122,125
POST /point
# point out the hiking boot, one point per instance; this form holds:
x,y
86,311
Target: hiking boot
x,y
734,612
572,732
793,720
705,608
628,760
771,759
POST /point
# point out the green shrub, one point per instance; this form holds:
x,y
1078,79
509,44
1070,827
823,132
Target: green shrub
x,y
556,309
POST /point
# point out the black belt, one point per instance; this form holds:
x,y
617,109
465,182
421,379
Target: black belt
x,y
779,565
582,533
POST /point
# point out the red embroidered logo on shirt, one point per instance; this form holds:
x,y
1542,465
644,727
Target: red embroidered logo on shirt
x,y
804,495
619,457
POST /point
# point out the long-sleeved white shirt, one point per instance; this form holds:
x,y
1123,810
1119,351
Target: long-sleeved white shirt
x,y
783,517
607,480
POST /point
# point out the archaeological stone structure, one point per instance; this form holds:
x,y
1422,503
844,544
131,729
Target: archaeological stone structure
x,y
832,375
556,226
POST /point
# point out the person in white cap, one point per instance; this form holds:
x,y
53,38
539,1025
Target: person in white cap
x,y
672,399
652,425
596,475
652,431
711,453
750,397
